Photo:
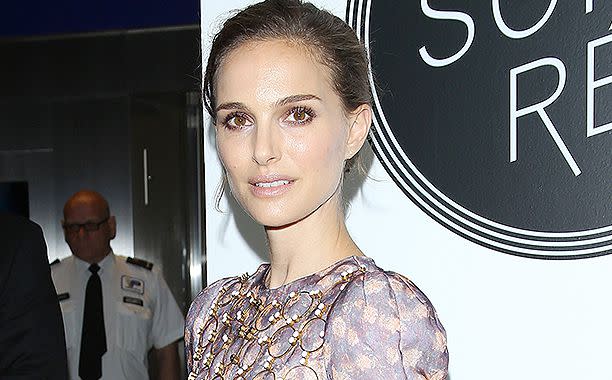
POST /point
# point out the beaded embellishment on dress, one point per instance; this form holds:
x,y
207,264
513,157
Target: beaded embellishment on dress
x,y
245,333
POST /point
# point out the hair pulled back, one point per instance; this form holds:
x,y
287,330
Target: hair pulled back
x,y
332,42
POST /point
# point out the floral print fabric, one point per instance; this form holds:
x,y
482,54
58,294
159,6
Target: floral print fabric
x,y
349,321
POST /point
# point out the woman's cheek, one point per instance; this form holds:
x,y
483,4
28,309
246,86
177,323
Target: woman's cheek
x,y
229,154
298,145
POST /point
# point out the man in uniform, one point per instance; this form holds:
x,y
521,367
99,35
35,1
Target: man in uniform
x,y
115,309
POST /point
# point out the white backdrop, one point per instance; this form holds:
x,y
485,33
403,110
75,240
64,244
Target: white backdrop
x,y
507,318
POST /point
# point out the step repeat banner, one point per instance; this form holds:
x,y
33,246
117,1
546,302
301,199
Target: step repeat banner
x,y
490,176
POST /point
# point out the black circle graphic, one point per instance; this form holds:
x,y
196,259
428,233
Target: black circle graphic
x,y
444,133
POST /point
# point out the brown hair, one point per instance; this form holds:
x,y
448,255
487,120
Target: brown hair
x,y
330,39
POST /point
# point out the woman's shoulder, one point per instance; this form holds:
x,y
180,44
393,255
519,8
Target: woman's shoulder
x,y
374,297
396,296
227,285
209,293
203,301
383,324
388,288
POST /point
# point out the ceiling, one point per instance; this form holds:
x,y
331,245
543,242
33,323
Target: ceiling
x,y
38,18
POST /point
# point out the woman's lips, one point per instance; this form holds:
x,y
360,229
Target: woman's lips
x,y
270,186
280,182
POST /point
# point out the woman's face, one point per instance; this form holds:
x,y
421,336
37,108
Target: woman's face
x,y
282,132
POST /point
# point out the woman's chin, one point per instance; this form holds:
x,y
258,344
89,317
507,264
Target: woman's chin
x,y
276,223
276,219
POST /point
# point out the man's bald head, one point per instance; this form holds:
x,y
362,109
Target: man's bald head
x,y
88,225
87,196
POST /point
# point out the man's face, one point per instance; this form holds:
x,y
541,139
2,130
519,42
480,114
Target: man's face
x,y
88,229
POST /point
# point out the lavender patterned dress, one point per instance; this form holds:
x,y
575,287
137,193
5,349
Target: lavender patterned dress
x,y
351,320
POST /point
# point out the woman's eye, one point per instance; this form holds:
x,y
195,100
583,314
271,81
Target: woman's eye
x,y
239,121
299,115
236,121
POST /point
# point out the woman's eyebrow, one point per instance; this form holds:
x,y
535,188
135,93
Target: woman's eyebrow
x,y
296,98
231,106
284,101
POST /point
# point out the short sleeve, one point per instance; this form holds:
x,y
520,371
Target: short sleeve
x,y
383,327
168,322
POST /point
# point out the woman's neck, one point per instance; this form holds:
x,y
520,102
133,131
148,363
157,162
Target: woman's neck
x,y
309,245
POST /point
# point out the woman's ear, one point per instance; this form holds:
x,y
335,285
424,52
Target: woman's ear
x,y
360,119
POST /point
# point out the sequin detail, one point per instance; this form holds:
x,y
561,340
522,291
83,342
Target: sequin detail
x,y
351,320
242,328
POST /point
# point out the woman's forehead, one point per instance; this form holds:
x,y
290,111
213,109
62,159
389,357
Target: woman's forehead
x,y
271,70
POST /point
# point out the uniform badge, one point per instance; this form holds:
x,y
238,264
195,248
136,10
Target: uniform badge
x,y
132,284
133,300
63,296
140,262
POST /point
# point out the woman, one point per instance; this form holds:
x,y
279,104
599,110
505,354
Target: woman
x,y
287,86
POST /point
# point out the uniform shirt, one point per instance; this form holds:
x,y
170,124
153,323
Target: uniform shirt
x,y
139,313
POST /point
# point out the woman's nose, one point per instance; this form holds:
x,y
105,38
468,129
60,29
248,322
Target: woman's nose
x,y
266,145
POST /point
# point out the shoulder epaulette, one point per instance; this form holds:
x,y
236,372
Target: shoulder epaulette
x,y
140,262
56,261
